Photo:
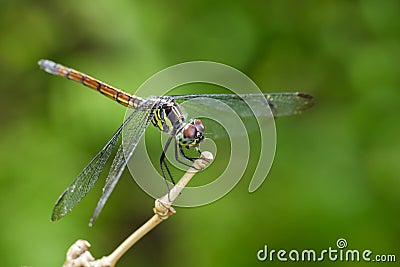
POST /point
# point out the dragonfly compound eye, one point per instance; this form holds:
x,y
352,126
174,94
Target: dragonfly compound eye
x,y
199,125
192,133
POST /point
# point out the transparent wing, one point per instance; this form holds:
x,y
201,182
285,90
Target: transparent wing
x,y
281,104
134,128
84,181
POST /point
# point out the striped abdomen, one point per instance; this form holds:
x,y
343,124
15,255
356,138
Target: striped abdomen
x,y
109,91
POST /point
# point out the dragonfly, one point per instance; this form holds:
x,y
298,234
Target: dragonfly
x,y
163,112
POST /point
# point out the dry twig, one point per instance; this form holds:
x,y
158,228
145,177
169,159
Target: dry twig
x,y
78,254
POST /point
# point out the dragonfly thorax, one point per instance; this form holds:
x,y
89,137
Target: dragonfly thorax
x,y
191,134
168,116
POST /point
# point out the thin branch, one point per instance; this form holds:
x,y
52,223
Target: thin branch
x,y
78,254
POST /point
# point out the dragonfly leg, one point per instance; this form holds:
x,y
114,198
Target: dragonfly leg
x,y
165,170
181,152
164,166
186,157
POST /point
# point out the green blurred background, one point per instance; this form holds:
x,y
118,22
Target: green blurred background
x,y
336,170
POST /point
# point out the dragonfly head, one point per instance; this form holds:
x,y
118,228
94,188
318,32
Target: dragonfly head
x,y
191,134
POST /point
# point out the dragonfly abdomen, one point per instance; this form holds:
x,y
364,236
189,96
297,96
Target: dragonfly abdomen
x,y
109,91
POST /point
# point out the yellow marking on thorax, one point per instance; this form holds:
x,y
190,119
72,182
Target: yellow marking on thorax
x,y
159,119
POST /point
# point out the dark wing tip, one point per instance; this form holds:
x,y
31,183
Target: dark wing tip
x,y
55,216
308,100
304,95
58,211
